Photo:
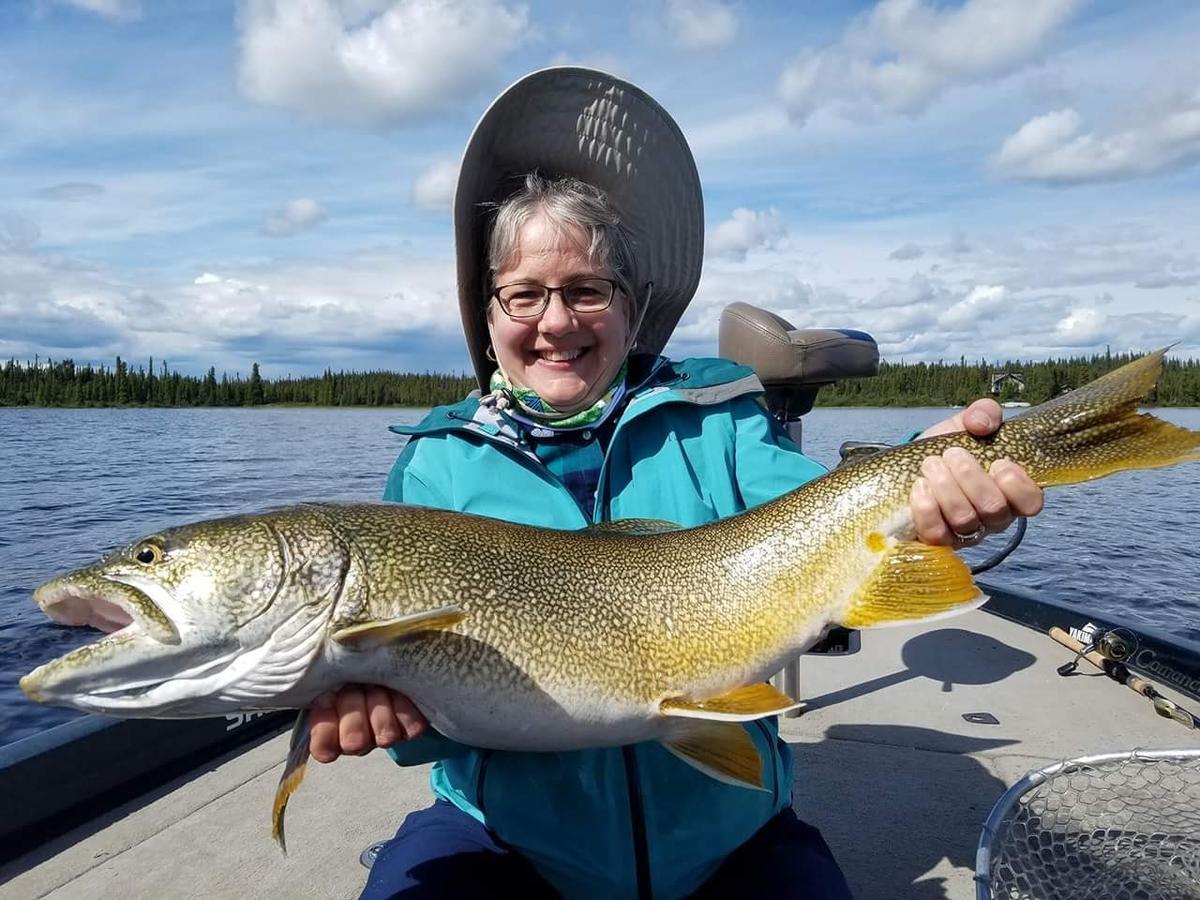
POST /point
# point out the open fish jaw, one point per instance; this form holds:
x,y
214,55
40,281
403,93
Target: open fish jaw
x,y
87,598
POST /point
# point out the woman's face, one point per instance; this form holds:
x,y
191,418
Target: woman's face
x,y
567,358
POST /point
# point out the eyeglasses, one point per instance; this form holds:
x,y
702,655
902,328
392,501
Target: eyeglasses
x,y
528,299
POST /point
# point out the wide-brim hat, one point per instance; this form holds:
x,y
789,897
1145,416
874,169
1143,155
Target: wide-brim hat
x,y
572,121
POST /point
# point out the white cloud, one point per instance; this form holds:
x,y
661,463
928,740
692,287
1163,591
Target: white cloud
x,y
982,302
293,217
907,251
1082,327
376,63
382,308
701,24
1076,256
918,289
1054,148
1050,292
757,125
904,54
744,231
433,189
109,9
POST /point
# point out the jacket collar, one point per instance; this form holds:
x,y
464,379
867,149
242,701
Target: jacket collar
x,y
654,380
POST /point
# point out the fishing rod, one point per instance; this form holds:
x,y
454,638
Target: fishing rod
x,y
1107,652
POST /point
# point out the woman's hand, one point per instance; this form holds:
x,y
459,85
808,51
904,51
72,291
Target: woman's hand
x,y
955,502
359,718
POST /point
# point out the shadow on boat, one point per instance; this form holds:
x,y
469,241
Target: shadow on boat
x,y
919,809
921,794
950,656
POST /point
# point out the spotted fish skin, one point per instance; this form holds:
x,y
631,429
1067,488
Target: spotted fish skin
x,y
515,637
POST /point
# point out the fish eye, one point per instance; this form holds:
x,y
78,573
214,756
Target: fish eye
x,y
149,554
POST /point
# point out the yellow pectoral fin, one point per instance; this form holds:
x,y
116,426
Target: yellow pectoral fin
x,y
384,630
743,704
293,774
913,581
721,750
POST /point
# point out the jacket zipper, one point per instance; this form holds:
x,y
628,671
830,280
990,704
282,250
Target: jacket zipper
x,y
637,823
480,780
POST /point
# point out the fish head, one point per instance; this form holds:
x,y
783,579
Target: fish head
x,y
198,618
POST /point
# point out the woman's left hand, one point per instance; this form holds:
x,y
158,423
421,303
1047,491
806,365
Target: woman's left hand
x,y
955,502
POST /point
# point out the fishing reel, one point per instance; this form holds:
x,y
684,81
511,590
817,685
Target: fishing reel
x,y
1108,650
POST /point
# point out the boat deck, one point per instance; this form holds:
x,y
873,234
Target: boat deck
x,y
886,767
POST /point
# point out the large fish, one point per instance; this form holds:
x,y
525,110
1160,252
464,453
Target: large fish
x,y
522,638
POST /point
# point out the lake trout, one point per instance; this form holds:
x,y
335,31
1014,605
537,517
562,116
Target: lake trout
x,y
521,638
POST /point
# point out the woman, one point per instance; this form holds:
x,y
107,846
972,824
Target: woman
x,y
569,287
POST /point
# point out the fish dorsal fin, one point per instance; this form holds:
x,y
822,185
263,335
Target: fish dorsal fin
x,y
743,704
721,750
293,774
913,581
382,631
634,526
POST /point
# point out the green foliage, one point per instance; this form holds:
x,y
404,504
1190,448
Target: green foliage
x,y
48,383
957,384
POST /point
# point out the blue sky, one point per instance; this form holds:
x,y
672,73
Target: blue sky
x,y
220,183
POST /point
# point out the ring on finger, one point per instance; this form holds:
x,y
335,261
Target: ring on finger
x,y
971,536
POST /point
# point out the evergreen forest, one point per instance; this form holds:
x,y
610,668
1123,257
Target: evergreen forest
x,y
957,384
63,383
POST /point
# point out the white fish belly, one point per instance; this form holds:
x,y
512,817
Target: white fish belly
x,y
542,722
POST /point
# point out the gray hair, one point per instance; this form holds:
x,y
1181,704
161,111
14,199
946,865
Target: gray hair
x,y
567,203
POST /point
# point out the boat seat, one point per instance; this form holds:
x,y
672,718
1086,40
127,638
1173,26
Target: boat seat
x,y
793,363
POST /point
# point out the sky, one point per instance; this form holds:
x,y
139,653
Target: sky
x,y
222,183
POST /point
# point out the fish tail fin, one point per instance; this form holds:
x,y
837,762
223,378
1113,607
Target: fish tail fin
x,y
913,581
1096,430
293,774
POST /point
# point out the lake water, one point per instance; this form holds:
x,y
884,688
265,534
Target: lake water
x,y
75,483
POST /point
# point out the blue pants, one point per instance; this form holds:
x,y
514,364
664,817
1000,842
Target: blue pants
x,y
441,852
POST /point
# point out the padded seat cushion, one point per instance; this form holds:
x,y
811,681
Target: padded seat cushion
x,y
785,356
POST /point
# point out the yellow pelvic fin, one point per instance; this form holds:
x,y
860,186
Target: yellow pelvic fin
x,y
743,704
721,750
382,631
634,526
293,774
913,581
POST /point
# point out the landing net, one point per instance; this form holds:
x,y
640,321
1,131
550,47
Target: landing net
x,y
1124,826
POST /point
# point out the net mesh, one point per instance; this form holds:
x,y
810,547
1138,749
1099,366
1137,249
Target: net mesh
x,y
1120,827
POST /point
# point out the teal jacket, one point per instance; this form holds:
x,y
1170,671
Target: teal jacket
x,y
693,444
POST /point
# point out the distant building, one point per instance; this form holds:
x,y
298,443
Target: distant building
x,y
1001,379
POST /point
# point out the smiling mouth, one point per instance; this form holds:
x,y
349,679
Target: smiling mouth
x,y
561,355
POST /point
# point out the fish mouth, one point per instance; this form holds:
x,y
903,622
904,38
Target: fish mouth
x,y
128,674
141,668
103,603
